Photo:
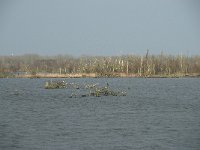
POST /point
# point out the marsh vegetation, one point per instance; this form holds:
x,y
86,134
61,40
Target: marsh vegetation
x,y
100,66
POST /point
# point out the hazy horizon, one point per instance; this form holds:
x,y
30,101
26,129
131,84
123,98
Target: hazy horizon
x,y
99,27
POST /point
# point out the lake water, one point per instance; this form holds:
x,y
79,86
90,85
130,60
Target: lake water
x,y
156,114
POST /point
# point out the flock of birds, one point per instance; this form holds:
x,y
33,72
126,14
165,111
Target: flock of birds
x,y
92,89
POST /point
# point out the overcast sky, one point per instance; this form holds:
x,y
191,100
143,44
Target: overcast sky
x,y
99,27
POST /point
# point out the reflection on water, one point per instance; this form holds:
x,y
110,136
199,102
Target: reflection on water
x,y
155,114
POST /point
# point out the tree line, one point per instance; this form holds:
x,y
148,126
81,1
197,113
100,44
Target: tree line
x,y
140,65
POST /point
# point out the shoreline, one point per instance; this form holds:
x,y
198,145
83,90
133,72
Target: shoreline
x,y
95,75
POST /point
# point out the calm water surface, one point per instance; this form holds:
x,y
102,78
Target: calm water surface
x,y
156,114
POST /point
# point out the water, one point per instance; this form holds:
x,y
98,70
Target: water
x,y
156,114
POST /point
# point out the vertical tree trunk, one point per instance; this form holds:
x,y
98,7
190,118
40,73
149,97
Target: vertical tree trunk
x,y
127,65
141,65
60,70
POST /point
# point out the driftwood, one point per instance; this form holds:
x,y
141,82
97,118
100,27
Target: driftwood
x,y
91,89
54,84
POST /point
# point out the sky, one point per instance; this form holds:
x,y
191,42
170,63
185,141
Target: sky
x,y
99,27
